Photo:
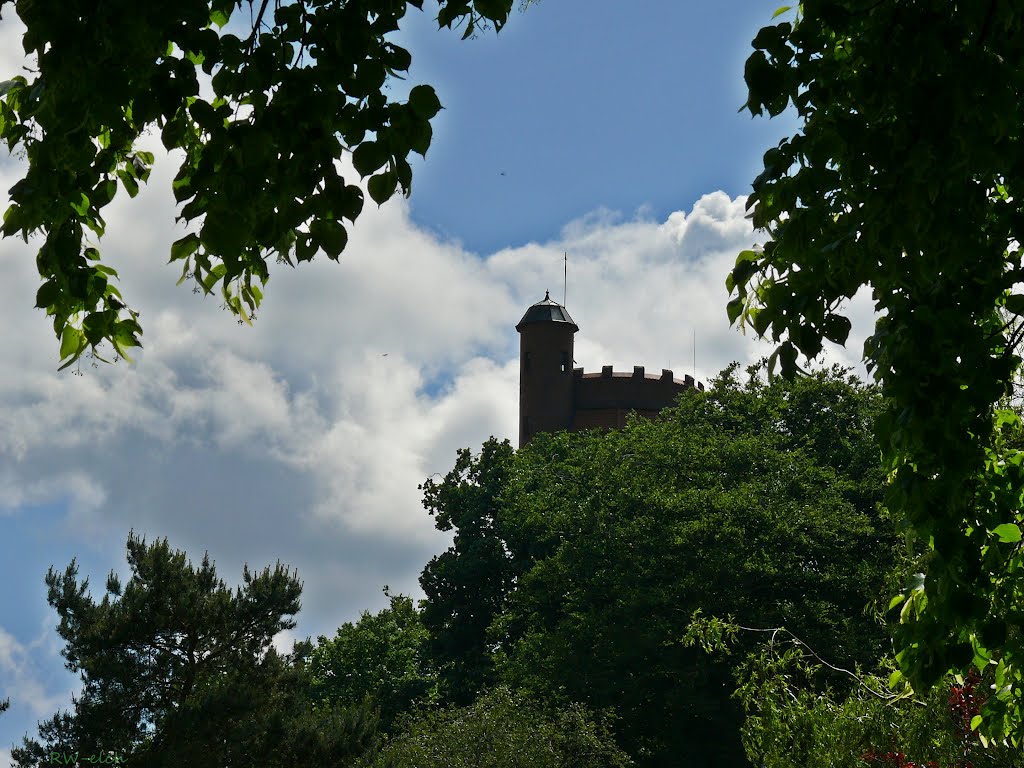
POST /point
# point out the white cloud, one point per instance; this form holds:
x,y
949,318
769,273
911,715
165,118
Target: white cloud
x,y
82,493
23,677
361,377
284,641
12,57
338,379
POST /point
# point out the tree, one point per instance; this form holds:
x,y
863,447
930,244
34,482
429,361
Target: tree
x,y
906,176
259,175
382,656
176,668
466,586
501,729
753,499
795,718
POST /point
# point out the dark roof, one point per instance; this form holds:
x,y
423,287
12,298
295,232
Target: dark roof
x,y
546,311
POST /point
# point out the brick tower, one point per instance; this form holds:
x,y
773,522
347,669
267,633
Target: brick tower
x,y
554,396
545,369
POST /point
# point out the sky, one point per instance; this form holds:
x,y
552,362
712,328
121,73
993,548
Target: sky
x,y
604,130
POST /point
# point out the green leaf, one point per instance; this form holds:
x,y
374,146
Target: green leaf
x,y
1008,533
734,309
212,277
71,344
1015,304
104,192
424,102
82,205
403,172
420,137
130,184
351,204
184,247
205,115
12,219
119,348
182,188
219,17
837,329
895,678
331,235
760,319
782,10
369,157
382,186
174,131
49,293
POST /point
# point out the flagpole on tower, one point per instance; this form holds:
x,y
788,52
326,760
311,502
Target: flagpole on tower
x,y
565,275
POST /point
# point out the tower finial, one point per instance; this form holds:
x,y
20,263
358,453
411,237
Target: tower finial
x,y
547,296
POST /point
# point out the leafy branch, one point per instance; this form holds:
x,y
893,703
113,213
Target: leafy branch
x,y
717,635
261,175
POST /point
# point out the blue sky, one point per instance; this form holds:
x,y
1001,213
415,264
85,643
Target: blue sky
x,y
604,129
583,105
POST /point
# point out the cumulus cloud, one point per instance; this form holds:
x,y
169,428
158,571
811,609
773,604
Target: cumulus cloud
x,y
20,669
359,378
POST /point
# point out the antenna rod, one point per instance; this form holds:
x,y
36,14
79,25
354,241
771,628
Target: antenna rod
x,y
565,276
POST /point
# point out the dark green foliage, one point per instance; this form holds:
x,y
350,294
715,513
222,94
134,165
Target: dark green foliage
x,y
259,174
501,730
381,657
466,586
906,176
178,669
752,499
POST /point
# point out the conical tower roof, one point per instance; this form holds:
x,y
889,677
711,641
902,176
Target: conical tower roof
x,y
546,311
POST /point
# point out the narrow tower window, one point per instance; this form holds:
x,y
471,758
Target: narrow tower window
x,y
565,362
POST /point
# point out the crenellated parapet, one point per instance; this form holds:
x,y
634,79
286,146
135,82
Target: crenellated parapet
x,y
604,400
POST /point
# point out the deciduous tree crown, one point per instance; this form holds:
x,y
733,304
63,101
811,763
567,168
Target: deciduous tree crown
x,y
906,177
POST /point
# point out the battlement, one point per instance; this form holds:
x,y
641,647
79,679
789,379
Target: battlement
x,y
554,396
638,373
638,390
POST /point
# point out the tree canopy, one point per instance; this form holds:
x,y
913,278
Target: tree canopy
x,y
591,552
296,87
501,729
466,585
178,668
794,717
381,656
906,177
